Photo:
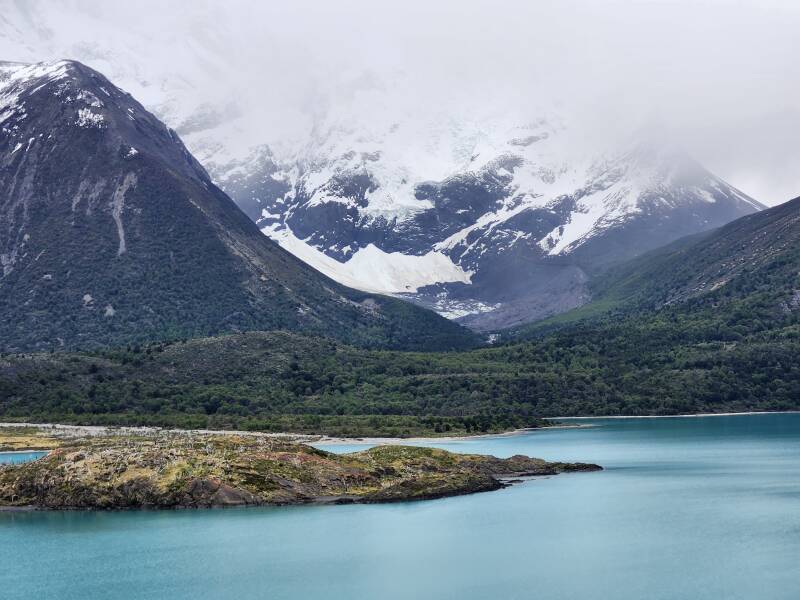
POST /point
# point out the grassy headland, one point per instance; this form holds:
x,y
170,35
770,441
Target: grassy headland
x,y
192,470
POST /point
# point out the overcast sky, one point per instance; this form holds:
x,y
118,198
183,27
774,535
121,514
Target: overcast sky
x,y
723,77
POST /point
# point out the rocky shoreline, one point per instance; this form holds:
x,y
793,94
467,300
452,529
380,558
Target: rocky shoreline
x,y
206,471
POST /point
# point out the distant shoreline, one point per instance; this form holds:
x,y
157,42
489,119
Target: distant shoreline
x,y
68,430
342,441
339,441
682,416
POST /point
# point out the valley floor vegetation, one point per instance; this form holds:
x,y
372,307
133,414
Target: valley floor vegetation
x,y
677,360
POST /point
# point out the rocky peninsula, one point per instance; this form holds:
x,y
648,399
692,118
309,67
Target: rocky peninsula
x,y
169,470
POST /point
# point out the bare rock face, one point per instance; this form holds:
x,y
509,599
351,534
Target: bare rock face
x,y
211,492
188,471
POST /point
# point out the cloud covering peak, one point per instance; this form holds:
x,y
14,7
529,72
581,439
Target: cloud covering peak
x,y
720,76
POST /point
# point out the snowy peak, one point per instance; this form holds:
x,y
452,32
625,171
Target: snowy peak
x,y
493,220
481,214
20,76
393,157
21,82
647,180
48,98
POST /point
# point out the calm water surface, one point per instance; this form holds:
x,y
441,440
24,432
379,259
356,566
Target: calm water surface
x,y
694,508
15,458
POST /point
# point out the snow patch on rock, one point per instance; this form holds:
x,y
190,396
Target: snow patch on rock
x,y
87,119
373,270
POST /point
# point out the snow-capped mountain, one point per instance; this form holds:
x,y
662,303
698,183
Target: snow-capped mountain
x,y
482,217
485,213
112,233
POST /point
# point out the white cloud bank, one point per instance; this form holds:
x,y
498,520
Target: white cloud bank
x,y
722,76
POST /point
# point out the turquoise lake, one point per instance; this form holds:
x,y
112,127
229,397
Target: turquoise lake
x,y
15,458
694,508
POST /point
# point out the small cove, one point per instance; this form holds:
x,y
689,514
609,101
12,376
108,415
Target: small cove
x,y
16,458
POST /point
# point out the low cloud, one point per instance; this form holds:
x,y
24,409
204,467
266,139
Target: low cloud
x,y
721,76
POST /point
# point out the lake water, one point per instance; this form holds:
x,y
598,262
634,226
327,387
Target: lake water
x,y
694,508
15,458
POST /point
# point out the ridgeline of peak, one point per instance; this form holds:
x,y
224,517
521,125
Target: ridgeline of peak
x,y
111,232
503,222
756,254
740,279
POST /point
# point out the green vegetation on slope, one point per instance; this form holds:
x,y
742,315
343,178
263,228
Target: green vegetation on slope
x,y
262,381
712,326
741,356
755,255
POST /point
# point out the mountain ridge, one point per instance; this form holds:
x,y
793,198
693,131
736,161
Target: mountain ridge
x,y
750,263
112,233
373,134
711,261
512,231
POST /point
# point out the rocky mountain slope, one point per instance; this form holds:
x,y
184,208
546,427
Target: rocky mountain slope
x,y
489,216
744,271
488,221
111,233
